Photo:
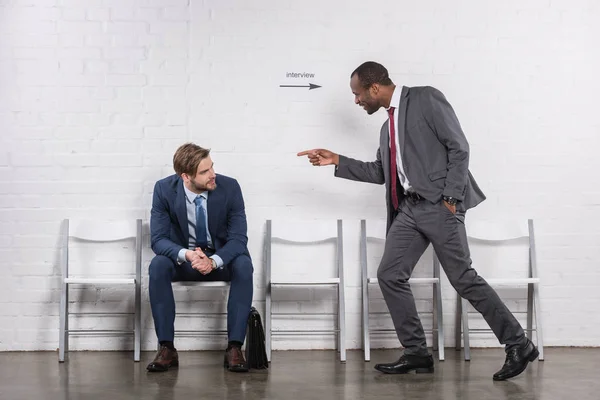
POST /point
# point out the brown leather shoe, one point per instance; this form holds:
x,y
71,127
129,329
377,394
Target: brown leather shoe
x,y
165,359
234,360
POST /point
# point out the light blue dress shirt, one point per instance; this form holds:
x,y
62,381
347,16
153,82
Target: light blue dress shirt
x,y
191,216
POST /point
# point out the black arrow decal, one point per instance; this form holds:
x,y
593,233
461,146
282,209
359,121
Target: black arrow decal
x,y
310,86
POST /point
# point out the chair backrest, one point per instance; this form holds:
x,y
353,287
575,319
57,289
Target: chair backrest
x,y
495,231
102,231
375,228
303,233
500,234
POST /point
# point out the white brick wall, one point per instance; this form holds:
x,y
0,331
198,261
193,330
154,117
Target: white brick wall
x,y
95,96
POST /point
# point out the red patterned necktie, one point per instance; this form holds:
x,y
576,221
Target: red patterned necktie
x,y
393,166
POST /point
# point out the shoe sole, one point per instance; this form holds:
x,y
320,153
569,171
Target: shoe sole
x,y
534,354
172,365
234,369
415,370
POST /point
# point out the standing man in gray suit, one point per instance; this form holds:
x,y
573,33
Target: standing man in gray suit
x,y
423,159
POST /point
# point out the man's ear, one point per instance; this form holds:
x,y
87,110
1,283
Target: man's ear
x,y
374,89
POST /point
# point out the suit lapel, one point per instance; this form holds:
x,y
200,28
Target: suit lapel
x,y
181,211
384,149
402,118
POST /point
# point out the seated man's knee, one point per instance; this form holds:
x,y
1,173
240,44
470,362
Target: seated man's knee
x,y
241,267
160,267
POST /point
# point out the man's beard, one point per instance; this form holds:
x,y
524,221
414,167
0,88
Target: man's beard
x,y
201,188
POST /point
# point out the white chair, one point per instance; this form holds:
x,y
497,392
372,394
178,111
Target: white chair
x,y
95,231
376,231
493,234
304,233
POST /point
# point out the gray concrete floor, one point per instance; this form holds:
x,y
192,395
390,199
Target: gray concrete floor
x,y
570,374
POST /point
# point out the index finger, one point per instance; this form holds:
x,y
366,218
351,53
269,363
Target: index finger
x,y
306,152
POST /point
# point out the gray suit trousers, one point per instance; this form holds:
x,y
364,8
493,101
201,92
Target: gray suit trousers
x,y
415,226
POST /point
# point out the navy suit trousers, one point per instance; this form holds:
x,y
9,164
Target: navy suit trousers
x,y
163,271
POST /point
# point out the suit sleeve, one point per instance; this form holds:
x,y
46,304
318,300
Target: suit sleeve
x,y
441,117
160,227
237,228
370,172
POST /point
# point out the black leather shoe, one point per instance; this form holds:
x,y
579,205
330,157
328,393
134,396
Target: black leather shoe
x,y
234,360
408,363
517,360
165,359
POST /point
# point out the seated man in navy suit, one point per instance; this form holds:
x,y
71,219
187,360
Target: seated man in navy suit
x,y
198,233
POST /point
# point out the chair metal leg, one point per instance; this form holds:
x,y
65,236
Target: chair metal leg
x,y
366,338
434,332
342,322
457,324
465,323
137,329
137,334
439,321
268,322
536,289
364,290
63,340
438,313
268,287
529,331
337,332
538,321
341,292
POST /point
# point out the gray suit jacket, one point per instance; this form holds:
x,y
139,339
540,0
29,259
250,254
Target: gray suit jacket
x,y
435,153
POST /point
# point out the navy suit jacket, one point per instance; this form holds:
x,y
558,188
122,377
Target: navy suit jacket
x,y
227,224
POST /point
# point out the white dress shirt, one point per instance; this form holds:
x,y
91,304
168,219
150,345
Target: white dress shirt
x,y
395,103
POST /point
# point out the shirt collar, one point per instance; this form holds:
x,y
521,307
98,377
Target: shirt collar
x,y
395,97
191,196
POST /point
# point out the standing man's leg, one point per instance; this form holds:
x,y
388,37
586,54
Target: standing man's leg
x,y
448,235
404,247
238,311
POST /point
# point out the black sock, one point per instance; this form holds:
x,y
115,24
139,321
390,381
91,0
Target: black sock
x,y
167,343
234,343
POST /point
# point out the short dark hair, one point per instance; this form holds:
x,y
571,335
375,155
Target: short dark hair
x,y
188,157
370,73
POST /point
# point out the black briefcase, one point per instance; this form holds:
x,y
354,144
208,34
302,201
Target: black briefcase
x,y
256,352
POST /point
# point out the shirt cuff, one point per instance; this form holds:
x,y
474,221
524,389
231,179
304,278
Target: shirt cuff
x,y
181,256
218,260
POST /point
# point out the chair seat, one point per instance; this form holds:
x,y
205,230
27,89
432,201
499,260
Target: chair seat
x,y
306,281
411,280
101,281
512,281
205,284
